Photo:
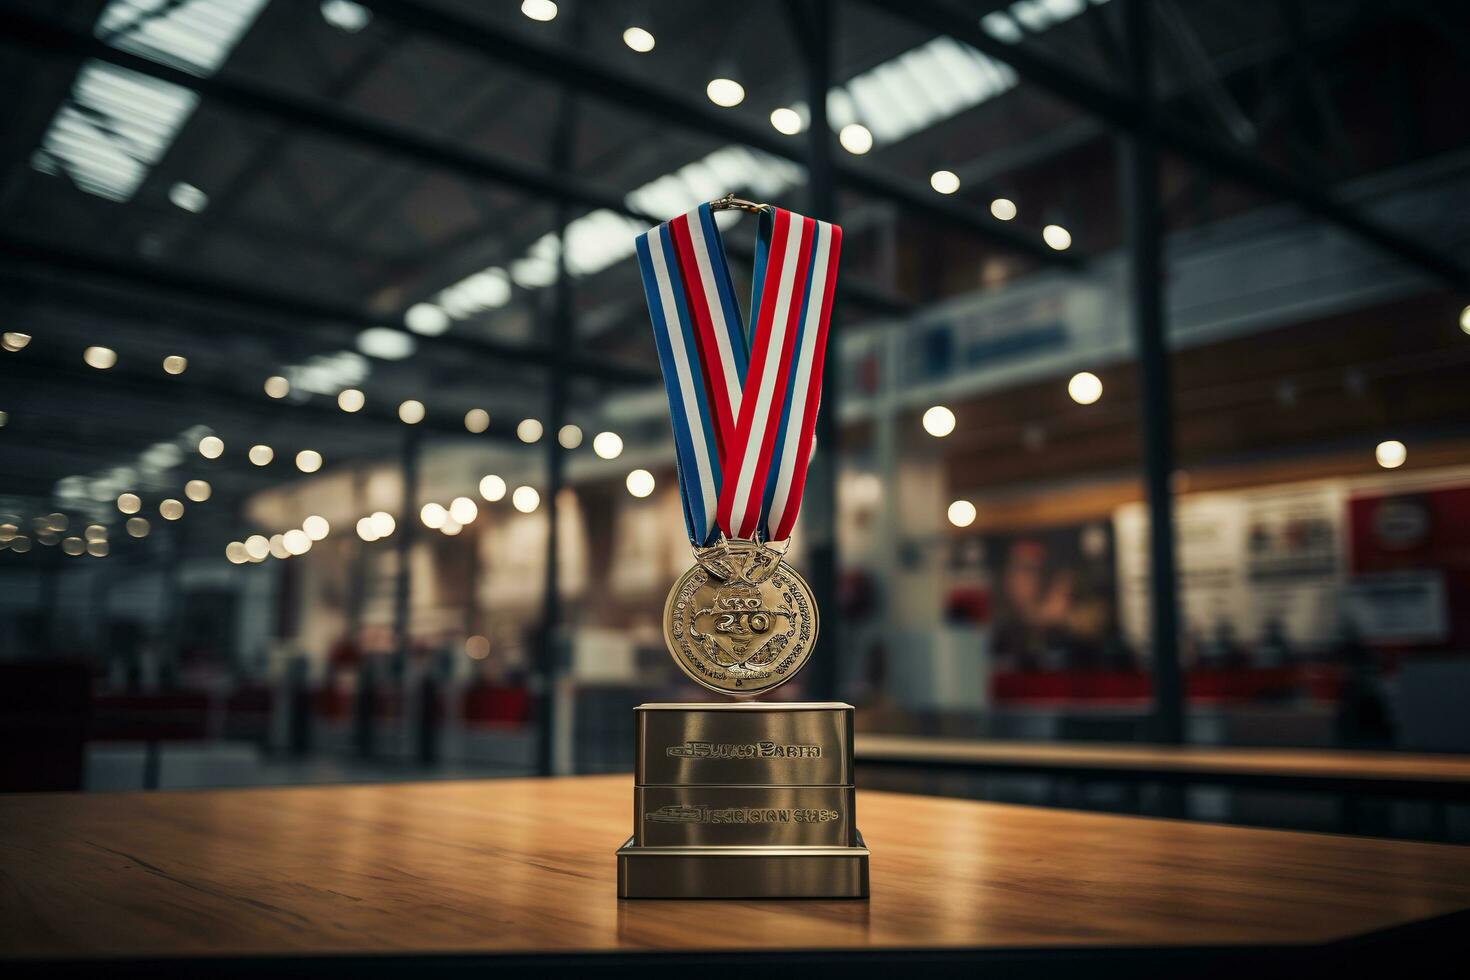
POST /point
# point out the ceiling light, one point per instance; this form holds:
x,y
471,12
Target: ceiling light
x,y
316,527
855,138
346,15
4,417
1085,387
640,483
525,499
257,547
1003,209
962,513
296,542
20,544
14,340
492,488
350,400
308,461
277,386
137,527
73,546
100,358
236,553
129,503
944,181
542,10
188,197
383,523
95,532
463,510
570,436
98,549
365,529
175,364
411,411
529,430
56,522
171,509
1464,322
433,515
608,445
427,319
638,39
210,447
1057,237
386,344
261,455
938,421
1391,454
198,490
786,121
451,527
278,547
476,420
725,92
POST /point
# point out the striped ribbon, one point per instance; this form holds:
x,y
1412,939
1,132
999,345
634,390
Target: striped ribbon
x,y
743,400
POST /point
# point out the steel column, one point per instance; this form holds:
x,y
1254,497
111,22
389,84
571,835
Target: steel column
x,y
404,536
1145,234
551,656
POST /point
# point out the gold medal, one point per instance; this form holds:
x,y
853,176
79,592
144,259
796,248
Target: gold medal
x,y
740,621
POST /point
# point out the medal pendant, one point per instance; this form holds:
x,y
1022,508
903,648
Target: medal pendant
x,y
740,621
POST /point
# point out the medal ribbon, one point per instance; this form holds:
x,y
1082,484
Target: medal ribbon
x,y
743,401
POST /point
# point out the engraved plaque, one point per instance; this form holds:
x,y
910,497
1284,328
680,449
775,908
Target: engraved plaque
x,y
792,744
725,816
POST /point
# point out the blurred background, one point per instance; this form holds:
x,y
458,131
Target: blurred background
x,y
332,445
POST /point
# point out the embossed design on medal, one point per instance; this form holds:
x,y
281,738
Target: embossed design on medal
x,y
741,621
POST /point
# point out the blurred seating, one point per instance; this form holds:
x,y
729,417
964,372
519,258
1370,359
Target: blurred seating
x,y
151,719
496,706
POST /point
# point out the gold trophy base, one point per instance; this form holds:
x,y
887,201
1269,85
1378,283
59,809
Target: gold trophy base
x,y
743,872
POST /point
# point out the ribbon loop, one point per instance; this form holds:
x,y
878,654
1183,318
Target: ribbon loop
x,y
744,400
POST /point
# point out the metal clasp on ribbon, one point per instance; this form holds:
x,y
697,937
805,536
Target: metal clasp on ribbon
x,y
732,203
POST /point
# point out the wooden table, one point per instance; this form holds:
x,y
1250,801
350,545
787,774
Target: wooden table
x,y
502,872
1445,778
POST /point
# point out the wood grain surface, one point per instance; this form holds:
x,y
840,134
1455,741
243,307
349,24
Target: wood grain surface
x,y
527,865
1306,763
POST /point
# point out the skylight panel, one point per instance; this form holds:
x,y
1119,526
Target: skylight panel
x,y
881,108
196,35
116,124
998,24
927,69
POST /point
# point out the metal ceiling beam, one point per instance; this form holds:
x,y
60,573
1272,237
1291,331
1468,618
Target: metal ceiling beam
x,y
33,373
326,118
1201,149
591,79
212,291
